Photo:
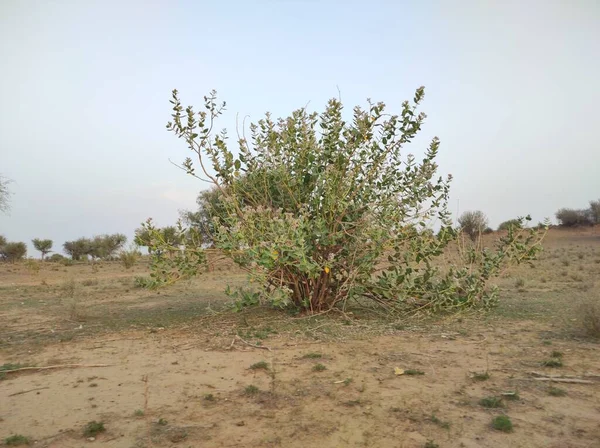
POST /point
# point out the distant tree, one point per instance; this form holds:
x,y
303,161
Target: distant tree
x,y
78,249
510,223
569,217
2,240
106,246
5,194
210,205
44,246
169,235
473,223
13,251
595,211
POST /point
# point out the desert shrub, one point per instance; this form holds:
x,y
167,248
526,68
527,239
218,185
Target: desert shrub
x,y
488,230
473,224
33,266
510,223
56,258
2,240
13,251
568,217
588,317
313,205
44,246
129,257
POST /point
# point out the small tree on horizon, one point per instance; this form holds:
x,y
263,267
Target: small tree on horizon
x,y
595,211
473,223
44,246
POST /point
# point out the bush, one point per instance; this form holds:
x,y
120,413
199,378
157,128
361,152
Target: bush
x,y
568,217
56,258
589,318
313,204
129,257
506,224
13,251
473,224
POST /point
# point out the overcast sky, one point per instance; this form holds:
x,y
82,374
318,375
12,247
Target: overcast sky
x,y
512,90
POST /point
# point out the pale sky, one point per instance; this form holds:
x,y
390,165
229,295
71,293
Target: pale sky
x,y
512,90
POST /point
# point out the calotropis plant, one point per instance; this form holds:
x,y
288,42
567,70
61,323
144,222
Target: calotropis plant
x,y
321,210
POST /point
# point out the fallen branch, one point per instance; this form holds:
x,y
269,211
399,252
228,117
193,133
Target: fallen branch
x,y
565,376
564,380
27,391
264,347
60,366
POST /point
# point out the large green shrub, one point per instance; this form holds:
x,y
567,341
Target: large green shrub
x,y
13,251
321,211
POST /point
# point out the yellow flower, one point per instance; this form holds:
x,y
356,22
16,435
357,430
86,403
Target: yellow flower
x,y
275,254
327,269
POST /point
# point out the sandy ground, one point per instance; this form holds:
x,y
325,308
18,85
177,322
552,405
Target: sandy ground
x,y
175,382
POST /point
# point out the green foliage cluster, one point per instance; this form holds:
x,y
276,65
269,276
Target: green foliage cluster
x,y
12,251
44,246
322,211
176,253
102,247
506,224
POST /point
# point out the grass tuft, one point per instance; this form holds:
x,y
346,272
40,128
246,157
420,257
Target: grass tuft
x,y
16,440
93,428
319,367
261,365
481,376
502,423
491,402
556,392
